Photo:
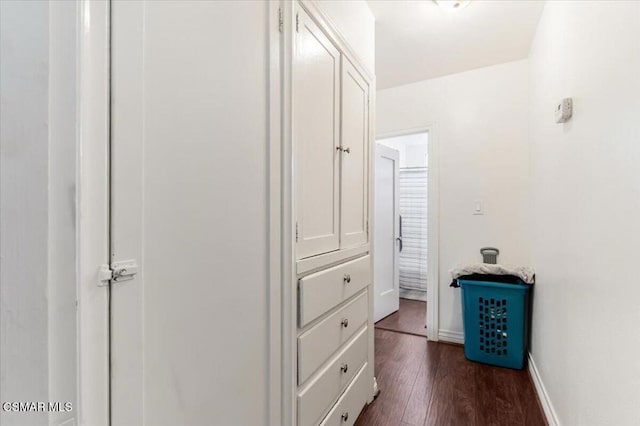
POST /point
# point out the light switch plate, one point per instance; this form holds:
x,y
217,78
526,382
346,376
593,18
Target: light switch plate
x,y
478,208
564,110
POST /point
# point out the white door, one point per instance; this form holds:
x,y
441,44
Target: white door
x,y
355,158
386,244
316,138
189,205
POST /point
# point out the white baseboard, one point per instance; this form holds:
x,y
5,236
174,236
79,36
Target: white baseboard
x,y
543,396
376,389
451,336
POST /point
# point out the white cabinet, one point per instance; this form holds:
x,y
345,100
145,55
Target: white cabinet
x,y
316,345
319,292
317,398
331,132
354,218
331,139
316,139
345,411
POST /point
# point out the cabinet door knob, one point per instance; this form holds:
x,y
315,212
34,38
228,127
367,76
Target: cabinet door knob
x,y
338,148
347,150
344,367
345,416
345,323
347,278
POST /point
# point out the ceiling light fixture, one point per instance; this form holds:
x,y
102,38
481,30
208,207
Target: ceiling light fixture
x,y
452,4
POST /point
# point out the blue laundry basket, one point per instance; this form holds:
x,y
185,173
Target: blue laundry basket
x,y
496,325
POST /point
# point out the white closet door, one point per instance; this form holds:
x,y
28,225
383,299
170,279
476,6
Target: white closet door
x,y
385,273
316,106
355,157
188,203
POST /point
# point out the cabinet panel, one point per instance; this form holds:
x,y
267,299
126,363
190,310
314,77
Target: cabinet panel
x,y
316,115
355,157
350,404
316,399
318,343
322,291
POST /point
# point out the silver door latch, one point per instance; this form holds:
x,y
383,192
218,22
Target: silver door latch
x,y
118,272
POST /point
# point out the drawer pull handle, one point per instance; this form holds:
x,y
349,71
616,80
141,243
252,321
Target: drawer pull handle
x,y
344,368
347,278
345,323
345,416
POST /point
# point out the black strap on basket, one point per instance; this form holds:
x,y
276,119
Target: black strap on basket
x,y
504,279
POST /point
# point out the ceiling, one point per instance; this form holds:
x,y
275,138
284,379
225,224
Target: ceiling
x,y
417,40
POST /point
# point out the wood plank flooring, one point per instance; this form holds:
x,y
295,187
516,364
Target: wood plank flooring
x,y
410,318
429,383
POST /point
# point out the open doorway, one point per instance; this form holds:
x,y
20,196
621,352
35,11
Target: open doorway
x,y
405,252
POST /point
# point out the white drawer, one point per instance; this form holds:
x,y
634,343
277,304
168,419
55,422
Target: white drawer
x,y
350,404
319,292
324,338
316,398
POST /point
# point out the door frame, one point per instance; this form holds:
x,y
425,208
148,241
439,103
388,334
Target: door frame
x,y
432,317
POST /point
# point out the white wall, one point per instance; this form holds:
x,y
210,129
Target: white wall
x,y
38,136
585,201
24,134
356,23
479,120
62,291
413,148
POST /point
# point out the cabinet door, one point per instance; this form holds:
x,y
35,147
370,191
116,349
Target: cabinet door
x,y
316,115
355,157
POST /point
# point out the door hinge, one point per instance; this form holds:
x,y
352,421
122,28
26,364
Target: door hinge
x,y
297,22
296,232
367,227
280,20
117,272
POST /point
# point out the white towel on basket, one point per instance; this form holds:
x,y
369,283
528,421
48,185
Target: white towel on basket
x,y
525,273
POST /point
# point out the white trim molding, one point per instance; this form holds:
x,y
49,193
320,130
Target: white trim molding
x,y
451,336
287,227
275,389
433,233
93,211
543,396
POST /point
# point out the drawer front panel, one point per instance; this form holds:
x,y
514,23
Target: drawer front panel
x,y
316,398
350,404
326,289
317,344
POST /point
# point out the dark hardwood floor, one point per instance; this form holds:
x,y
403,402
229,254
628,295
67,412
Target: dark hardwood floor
x,y
410,318
429,383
